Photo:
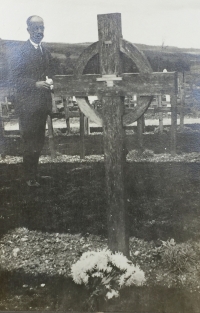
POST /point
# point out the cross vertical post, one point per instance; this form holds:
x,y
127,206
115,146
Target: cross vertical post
x,y
109,29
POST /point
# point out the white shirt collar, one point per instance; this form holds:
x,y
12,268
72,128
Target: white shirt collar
x,y
35,45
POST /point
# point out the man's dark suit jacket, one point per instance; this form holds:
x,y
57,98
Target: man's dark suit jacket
x,y
29,68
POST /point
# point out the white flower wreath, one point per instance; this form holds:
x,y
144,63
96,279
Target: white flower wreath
x,y
105,273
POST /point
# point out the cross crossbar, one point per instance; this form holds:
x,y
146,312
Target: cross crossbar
x,y
143,84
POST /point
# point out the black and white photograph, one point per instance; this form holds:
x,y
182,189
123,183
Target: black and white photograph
x,y
100,156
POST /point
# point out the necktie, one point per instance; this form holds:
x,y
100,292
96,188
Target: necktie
x,y
39,50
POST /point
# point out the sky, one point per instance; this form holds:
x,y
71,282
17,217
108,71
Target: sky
x,y
151,22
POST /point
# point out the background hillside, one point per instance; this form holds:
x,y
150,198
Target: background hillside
x,y
65,55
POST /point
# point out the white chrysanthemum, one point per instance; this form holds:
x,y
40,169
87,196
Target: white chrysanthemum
x,y
119,260
85,263
89,261
97,274
112,293
102,263
109,269
85,278
79,274
121,281
135,276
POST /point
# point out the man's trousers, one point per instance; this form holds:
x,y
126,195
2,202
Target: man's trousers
x,y
32,130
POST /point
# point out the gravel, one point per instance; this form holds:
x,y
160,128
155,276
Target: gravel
x,y
37,252
133,156
49,253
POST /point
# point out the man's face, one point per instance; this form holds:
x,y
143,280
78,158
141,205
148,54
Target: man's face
x,y
36,30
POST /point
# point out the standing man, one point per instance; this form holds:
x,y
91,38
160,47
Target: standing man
x,y
32,75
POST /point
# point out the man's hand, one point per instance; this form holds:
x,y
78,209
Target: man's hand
x,y
42,85
50,82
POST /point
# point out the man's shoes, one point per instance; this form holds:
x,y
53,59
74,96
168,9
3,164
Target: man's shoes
x,y
32,183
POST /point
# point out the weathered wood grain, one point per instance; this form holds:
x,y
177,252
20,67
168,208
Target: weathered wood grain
x,y
109,29
51,137
140,131
69,85
110,34
132,115
160,114
146,84
85,56
67,115
173,98
136,56
82,133
149,83
114,154
89,111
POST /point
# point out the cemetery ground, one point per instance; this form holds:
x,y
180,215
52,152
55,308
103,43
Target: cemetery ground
x,y
43,231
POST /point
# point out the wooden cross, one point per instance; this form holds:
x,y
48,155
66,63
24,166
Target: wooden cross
x,y
111,86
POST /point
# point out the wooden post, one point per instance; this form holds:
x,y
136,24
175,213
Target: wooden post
x,y
86,125
1,122
182,96
66,108
143,123
140,134
114,141
82,136
140,130
51,137
173,98
2,140
54,107
109,28
160,114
